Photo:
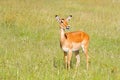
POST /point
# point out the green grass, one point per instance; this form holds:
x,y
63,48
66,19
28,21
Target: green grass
x,y
29,39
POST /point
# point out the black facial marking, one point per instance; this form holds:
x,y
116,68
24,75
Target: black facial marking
x,y
56,15
61,21
70,15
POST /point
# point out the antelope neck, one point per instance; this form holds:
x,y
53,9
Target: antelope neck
x,y
62,34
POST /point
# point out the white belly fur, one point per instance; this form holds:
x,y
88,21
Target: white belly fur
x,y
76,47
67,49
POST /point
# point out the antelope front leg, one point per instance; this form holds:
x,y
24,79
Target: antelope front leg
x,y
77,58
69,58
65,59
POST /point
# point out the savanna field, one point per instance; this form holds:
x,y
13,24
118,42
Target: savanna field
x,y
29,39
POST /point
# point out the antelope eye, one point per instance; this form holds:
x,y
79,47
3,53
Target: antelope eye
x,y
61,21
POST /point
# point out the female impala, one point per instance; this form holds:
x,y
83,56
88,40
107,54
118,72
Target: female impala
x,y
72,41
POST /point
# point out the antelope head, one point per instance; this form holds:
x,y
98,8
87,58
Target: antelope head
x,y
63,22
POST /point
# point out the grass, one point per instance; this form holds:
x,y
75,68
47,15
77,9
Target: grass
x,y
29,39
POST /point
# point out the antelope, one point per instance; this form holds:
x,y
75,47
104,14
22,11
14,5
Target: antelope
x,y
72,42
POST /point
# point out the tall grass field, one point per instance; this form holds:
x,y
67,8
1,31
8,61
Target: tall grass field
x,y
29,39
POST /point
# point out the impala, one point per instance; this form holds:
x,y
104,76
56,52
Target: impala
x,y
72,41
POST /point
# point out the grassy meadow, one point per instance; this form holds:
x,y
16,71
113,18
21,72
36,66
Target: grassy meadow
x,y
29,39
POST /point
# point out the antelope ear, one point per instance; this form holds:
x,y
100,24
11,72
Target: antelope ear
x,y
69,17
57,18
